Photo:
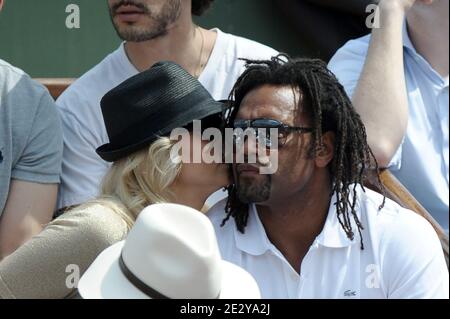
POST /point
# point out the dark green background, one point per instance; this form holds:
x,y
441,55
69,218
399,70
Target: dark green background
x,y
33,35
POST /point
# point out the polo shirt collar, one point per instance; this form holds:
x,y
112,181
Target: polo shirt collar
x,y
406,39
333,235
255,241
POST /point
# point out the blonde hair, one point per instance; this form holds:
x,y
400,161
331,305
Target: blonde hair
x,y
140,179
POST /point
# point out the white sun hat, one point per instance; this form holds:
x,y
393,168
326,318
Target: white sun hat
x,y
171,252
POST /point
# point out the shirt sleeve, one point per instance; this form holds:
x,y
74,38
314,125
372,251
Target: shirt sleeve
x,y
51,263
415,266
347,64
41,158
82,169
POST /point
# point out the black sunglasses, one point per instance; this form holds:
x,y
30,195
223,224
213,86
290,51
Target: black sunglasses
x,y
265,125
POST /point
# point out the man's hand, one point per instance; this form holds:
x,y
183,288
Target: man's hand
x,y
402,5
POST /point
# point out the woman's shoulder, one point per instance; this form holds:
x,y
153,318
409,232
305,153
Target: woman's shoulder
x,y
99,221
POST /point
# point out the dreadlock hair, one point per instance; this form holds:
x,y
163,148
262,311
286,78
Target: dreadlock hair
x,y
330,109
200,6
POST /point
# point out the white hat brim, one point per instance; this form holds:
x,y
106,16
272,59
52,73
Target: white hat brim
x,y
105,280
237,283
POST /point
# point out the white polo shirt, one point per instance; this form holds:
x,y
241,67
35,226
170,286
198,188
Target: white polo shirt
x,y
402,256
421,162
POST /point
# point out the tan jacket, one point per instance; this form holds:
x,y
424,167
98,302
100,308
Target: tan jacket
x,y
46,266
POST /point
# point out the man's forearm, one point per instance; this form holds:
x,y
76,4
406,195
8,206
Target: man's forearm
x,y
28,209
30,228
380,96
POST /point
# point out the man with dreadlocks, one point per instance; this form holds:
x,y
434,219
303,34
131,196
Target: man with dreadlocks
x,y
311,230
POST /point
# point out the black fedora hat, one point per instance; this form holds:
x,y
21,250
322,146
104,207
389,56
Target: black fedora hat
x,y
151,104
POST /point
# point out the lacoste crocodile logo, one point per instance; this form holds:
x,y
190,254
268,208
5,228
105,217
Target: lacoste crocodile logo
x,y
349,293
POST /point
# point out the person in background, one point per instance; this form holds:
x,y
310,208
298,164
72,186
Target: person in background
x,y
311,229
30,157
397,78
152,30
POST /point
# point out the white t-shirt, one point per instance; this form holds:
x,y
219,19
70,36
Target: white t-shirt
x,y
30,132
83,126
402,256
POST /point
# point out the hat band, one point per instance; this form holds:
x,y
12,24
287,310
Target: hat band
x,y
139,284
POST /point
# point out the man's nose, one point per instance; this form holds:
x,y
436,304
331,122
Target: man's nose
x,y
251,145
255,151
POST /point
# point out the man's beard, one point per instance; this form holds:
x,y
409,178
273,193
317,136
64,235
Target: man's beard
x,y
253,191
170,12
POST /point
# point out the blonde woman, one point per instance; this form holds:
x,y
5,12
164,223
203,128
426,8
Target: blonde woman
x,y
139,116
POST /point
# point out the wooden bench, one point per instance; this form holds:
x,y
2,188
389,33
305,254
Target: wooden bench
x,y
394,189
56,85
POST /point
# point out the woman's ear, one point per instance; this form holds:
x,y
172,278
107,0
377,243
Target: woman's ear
x,y
1,5
325,152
